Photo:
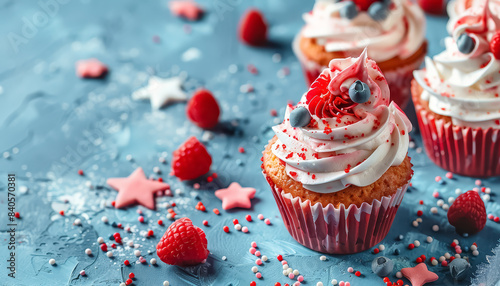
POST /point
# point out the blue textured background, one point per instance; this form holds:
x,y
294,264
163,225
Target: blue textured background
x,y
53,123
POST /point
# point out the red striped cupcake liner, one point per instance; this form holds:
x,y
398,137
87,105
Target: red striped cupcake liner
x,y
337,230
460,150
399,79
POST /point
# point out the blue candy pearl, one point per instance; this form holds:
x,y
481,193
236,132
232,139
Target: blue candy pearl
x,y
300,117
378,11
359,92
465,44
349,11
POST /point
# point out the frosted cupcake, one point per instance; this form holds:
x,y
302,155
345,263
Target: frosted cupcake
x,y
393,31
457,96
338,165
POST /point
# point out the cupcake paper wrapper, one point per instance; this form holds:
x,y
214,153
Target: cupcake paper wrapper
x,y
337,230
399,79
460,150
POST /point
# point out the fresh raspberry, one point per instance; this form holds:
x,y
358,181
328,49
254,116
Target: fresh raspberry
x,y
203,110
253,28
437,7
191,160
183,244
495,45
363,5
467,213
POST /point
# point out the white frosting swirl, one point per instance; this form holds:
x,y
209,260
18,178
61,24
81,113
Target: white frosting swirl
x,y
400,34
331,154
466,87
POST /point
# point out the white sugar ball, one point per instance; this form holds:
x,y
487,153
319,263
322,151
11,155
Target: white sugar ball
x,y
166,283
415,223
152,261
237,226
130,243
456,241
264,258
442,258
475,253
100,240
435,228
224,258
419,220
416,243
88,251
52,261
109,254
447,255
473,247
137,252
295,272
434,210
78,221
285,267
458,191
82,272
457,255
322,258
434,262
451,200
104,219
319,284
399,274
446,207
334,282
123,284
440,203
255,269
429,239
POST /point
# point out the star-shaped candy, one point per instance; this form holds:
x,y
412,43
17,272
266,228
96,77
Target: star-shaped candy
x,y
161,91
91,68
136,189
235,196
186,9
419,275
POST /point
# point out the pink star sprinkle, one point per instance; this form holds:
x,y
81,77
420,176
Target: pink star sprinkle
x,y
235,196
419,275
136,189
91,68
186,9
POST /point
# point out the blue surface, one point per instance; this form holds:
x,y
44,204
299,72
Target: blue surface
x,y
53,123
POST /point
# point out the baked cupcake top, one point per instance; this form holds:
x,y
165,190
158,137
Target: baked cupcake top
x,y
463,82
343,131
389,28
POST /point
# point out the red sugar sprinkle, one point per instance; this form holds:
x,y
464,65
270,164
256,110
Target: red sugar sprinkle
x,y
496,219
274,112
279,257
453,244
113,203
216,211
248,217
357,273
104,247
444,263
252,69
253,283
205,223
235,221
420,213
418,260
423,257
173,204
160,222
61,212
214,175
119,225
113,245
129,281
80,172
411,246
140,219
17,215
131,275
376,250
438,178
126,262
386,279
241,150
226,228
160,179
210,179
150,232
421,202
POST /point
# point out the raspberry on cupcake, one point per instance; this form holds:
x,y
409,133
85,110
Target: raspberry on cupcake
x,y
393,31
340,154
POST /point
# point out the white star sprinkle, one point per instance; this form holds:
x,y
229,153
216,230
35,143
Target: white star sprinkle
x,y
161,91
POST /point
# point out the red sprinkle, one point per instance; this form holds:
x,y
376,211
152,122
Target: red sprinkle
x,y
279,257
216,211
241,150
248,217
150,232
17,215
113,203
126,262
444,263
253,283
235,221
140,219
274,112
128,282
421,202
80,172
453,244
205,223
420,213
104,247
418,260
357,273
226,228
131,275
411,246
61,212
160,222
376,250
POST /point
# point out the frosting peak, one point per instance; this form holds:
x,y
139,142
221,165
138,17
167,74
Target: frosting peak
x,y
345,143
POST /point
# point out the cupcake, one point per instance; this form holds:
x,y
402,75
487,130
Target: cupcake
x,y
457,96
393,31
338,165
